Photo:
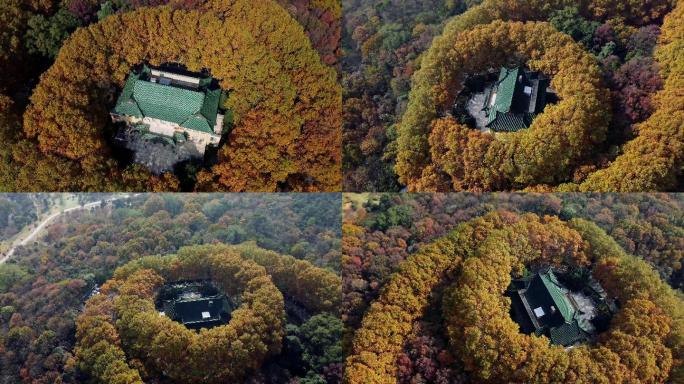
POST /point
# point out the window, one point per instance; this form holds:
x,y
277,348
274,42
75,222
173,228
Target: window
x,y
539,312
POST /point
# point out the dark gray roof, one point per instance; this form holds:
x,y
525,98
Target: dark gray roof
x,y
190,311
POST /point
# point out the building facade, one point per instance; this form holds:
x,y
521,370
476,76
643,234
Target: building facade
x,y
177,106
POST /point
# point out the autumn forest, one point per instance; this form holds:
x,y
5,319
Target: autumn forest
x,y
426,280
65,63
412,67
73,300
341,191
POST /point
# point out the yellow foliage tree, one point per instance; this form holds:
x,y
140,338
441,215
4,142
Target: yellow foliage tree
x,y
653,161
436,156
439,149
219,354
286,103
644,344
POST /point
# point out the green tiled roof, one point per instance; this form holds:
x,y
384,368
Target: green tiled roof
x,y
558,297
211,105
542,290
130,108
125,105
198,123
503,116
190,109
190,311
508,79
205,82
509,122
499,117
167,103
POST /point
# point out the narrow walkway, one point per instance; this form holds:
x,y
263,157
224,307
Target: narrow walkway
x,y
32,235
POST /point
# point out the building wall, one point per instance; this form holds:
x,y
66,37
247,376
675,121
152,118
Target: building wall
x,y
199,139
218,128
187,80
160,127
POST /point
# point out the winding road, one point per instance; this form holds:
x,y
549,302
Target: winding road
x,y
32,235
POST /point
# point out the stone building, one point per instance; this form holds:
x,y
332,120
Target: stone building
x,y
178,106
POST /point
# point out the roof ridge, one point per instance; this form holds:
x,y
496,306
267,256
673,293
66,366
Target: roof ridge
x,y
136,104
196,114
546,280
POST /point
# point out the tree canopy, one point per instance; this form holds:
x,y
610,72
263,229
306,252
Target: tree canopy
x,y
457,157
385,138
401,285
653,160
221,353
481,330
228,352
285,101
44,286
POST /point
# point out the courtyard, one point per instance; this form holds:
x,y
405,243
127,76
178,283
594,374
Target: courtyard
x,y
159,154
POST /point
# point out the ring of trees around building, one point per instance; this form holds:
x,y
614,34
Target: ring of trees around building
x,y
286,103
557,139
121,337
472,267
439,154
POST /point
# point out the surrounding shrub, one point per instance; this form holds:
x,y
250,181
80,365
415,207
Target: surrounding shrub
x,y
445,155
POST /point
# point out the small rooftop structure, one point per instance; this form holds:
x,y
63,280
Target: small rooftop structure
x,y
515,99
172,104
541,306
195,304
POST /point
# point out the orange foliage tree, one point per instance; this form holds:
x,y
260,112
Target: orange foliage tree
x,y
140,344
223,353
387,323
315,288
443,155
435,148
286,102
480,329
643,344
654,159
322,21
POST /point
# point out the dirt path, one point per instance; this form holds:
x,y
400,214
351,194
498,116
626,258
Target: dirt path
x,y
32,235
